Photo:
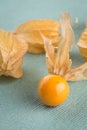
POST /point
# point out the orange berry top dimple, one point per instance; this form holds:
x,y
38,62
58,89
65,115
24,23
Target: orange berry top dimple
x,y
53,90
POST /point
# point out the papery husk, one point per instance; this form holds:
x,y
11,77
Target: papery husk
x,y
82,44
12,51
77,73
30,33
57,58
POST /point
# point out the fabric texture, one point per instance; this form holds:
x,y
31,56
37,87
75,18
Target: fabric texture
x,y
20,107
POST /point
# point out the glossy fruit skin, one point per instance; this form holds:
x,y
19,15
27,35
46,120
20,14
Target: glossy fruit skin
x,y
53,90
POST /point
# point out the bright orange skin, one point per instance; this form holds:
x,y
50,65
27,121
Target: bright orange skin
x,y
53,90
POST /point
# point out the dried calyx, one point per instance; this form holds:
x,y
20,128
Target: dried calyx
x,y
11,53
30,33
82,44
57,58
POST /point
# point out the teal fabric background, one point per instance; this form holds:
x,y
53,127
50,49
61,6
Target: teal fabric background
x,y
20,107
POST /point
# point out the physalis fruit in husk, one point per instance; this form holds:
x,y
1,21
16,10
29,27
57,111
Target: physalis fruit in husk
x,y
30,33
11,53
82,44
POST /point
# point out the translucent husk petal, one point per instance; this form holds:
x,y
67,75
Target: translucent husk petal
x,y
57,58
77,73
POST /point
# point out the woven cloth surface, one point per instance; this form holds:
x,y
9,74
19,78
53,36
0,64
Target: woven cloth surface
x,y
20,107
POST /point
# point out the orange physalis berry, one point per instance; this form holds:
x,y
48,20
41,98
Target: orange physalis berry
x,y
53,90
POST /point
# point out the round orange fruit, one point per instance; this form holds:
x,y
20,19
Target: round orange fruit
x,y
53,90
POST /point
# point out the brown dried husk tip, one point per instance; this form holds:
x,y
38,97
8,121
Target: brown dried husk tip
x,y
57,58
11,52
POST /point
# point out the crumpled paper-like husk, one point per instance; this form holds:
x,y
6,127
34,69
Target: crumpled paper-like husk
x,y
11,52
30,33
82,44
